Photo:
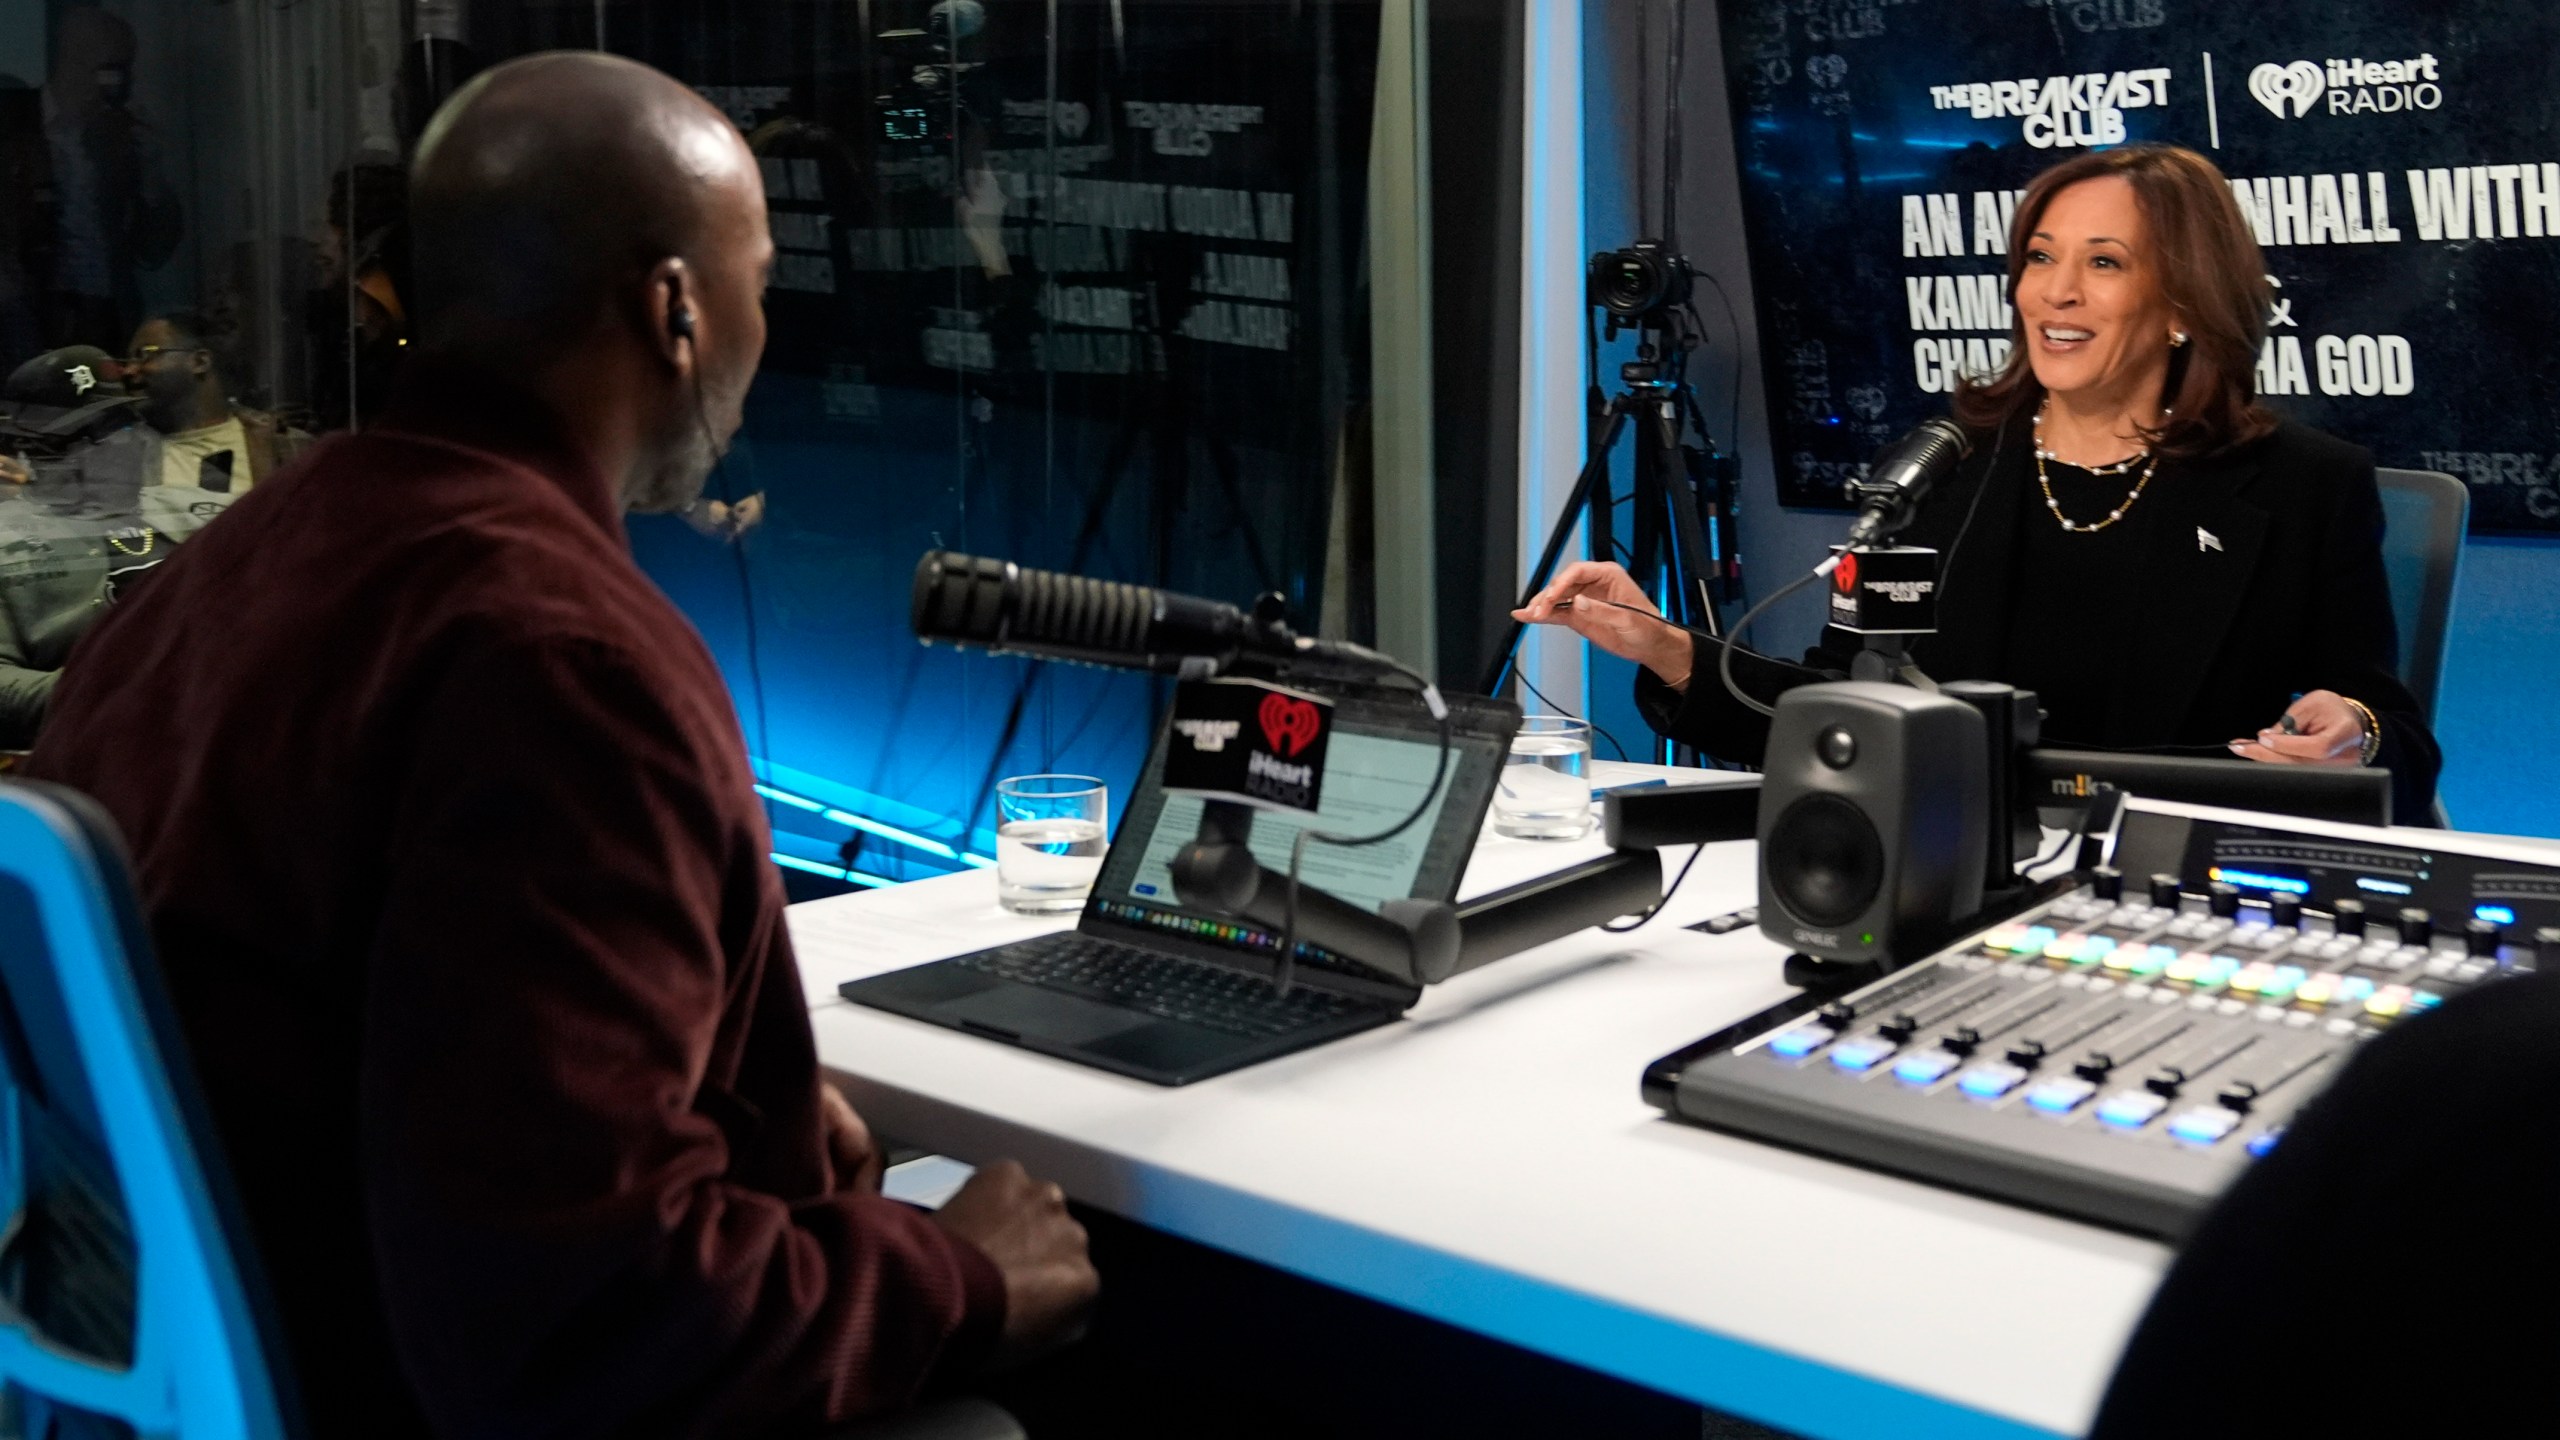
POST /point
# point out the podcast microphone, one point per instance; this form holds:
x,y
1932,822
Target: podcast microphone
x,y
1902,475
983,603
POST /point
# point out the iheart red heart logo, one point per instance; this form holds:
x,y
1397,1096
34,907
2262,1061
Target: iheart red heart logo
x,y
1290,725
1845,579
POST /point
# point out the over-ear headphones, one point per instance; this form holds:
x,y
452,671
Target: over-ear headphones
x,y
680,322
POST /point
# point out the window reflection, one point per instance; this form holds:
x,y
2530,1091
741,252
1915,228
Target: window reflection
x,y
1079,283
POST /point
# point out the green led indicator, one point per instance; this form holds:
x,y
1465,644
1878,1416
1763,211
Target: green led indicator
x,y
1867,939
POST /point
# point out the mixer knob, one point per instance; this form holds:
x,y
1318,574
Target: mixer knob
x,y
1961,1040
2026,1054
2164,891
2415,925
2108,883
1837,1015
2284,910
1900,1028
2348,916
2237,1096
2481,937
2093,1067
2165,1081
2224,898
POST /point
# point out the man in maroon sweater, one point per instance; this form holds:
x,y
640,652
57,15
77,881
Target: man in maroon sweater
x,y
445,830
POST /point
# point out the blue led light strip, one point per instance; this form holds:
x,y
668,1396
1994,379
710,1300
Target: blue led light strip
x,y
2251,879
869,826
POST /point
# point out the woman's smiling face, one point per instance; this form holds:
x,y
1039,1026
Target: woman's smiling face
x,y
2090,299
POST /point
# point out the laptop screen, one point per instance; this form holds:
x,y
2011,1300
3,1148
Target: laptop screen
x,y
1379,762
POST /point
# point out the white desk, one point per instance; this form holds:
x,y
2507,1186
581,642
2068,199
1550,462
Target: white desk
x,y
1489,1163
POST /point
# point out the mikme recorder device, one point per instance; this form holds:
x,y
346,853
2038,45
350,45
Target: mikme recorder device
x,y
2119,1051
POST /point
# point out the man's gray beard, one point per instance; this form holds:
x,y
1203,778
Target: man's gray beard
x,y
675,480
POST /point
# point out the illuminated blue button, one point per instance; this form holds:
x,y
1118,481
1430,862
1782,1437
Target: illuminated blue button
x,y
1925,1067
1801,1041
2425,1000
2205,1124
2265,1140
2060,1097
1861,1055
1990,1082
2131,1109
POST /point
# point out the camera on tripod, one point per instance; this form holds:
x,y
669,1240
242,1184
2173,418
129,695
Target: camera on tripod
x,y
934,83
1639,286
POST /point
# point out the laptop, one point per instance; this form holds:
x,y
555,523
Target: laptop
x,y
1147,987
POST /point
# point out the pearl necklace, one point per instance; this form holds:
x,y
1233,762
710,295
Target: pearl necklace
x,y
2148,459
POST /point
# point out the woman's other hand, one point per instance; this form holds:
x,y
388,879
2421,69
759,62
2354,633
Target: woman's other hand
x,y
1637,632
2327,731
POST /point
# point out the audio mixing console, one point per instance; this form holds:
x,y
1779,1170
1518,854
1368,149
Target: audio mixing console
x,y
2120,1053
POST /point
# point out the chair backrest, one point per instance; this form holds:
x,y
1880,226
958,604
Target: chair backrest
x,y
128,1283
2425,513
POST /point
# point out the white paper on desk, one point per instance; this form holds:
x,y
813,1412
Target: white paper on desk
x,y
879,934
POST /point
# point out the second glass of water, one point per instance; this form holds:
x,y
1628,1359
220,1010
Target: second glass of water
x,y
1545,792
1050,833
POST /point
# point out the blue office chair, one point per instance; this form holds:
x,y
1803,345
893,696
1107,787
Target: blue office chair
x,y
2425,513
128,1284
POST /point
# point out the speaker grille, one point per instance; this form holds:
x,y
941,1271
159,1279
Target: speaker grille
x,y
1824,860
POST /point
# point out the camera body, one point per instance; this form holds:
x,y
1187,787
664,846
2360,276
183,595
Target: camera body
x,y
1639,284
935,79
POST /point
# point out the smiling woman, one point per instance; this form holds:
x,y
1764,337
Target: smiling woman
x,y
2140,299
2164,561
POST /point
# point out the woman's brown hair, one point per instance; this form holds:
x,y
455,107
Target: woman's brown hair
x,y
2211,274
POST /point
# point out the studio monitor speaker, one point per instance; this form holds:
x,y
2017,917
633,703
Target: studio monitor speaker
x,y
1874,807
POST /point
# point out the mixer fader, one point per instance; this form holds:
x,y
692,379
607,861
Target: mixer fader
x,y
2120,1053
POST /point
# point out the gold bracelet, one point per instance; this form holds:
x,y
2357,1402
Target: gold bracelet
x,y
2372,730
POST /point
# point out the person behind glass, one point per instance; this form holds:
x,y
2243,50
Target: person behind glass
x,y
178,369
2166,563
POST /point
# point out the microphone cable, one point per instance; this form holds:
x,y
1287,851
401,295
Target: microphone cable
x,y
1742,627
1284,974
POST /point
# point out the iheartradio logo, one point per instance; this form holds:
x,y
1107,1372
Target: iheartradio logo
x,y
2300,84
2349,87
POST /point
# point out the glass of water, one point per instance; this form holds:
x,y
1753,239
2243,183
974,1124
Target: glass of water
x,y
1545,792
1049,841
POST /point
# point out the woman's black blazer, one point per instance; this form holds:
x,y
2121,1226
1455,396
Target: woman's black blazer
x,y
2267,582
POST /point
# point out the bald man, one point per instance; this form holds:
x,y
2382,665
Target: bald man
x,y
445,830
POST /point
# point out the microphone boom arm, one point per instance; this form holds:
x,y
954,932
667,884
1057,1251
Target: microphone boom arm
x,y
1415,942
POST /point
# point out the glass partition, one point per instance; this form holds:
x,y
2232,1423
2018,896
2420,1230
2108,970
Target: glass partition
x,y
1080,283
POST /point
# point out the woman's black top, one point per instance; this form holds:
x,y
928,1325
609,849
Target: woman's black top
x,y
2063,646
2235,583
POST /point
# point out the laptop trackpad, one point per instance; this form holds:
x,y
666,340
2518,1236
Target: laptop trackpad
x,y
1042,1014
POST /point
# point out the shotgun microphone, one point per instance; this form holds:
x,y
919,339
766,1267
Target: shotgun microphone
x,y
982,603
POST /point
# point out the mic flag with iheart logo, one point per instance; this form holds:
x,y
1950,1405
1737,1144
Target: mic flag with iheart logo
x,y
1289,723
1248,741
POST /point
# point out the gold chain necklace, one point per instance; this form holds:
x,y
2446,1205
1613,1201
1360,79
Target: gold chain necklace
x,y
2149,459
148,536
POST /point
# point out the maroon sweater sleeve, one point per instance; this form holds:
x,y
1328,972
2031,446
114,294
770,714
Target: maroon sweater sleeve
x,y
591,1153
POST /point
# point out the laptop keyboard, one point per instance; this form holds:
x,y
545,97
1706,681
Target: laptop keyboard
x,y
1165,985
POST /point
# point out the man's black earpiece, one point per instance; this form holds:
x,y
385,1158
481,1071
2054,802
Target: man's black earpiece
x,y
680,322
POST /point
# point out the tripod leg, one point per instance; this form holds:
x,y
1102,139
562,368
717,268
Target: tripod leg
x,y
1597,465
